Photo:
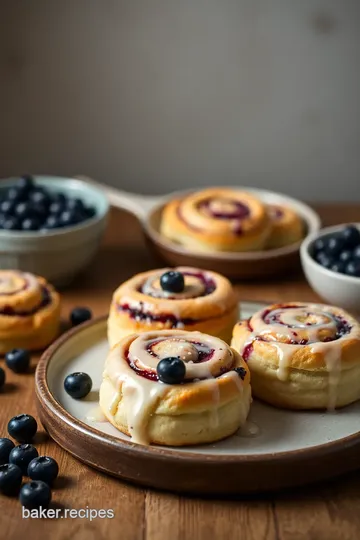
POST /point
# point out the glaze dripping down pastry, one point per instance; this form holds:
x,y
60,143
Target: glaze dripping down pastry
x,y
208,400
302,356
29,311
180,298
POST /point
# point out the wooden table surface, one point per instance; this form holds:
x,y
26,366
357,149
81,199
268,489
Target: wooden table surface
x,y
322,512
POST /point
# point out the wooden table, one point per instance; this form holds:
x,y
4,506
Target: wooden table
x,y
323,512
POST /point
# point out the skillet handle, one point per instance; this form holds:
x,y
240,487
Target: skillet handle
x,y
138,205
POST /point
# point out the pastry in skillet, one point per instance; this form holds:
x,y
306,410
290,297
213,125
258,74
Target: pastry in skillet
x,y
302,356
29,311
286,227
174,387
217,219
183,298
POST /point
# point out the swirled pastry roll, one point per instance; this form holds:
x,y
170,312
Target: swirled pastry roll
x,y
217,220
286,227
173,387
29,311
182,298
302,356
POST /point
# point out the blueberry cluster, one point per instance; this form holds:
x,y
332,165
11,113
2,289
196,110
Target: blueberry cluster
x,y
27,206
24,460
340,252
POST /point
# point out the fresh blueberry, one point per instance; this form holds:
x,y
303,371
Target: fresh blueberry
x,y
78,385
22,428
52,222
353,268
11,224
319,245
40,210
39,196
90,212
15,195
22,455
5,448
172,282
171,370
75,204
68,218
7,207
24,210
26,183
43,468
334,246
59,198
18,360
351,236
30,224
323,259
2,378
35,494
10,479
80,315
345,256
338,267
56,208
356,253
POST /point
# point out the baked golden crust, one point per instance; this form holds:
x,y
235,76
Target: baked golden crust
x,y
208,303
201,409
217,219
302,355
29,311
286,227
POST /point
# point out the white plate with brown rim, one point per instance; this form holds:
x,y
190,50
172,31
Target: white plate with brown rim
x,y
277,449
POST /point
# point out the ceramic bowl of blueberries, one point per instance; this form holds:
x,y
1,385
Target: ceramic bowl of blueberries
x,y
331,262
50,226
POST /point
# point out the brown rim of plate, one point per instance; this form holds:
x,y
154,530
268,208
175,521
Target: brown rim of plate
x,y
43,393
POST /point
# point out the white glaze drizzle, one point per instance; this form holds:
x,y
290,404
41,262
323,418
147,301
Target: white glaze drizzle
x,y
320,318
142,394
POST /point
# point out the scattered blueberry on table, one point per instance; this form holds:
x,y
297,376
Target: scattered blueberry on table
x,y
171,370
27,206
2,378
35,494
22,428
18,360
43,468
340,252
78,385
172,282
5,448
10,479
80,315
22,455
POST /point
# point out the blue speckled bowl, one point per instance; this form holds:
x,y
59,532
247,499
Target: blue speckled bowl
x,y
58,255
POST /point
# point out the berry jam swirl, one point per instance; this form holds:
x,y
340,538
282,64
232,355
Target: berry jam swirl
x,y
204,356
221,211
300,324
21,294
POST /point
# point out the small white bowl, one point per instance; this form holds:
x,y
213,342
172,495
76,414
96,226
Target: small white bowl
x,y
335,288
60,254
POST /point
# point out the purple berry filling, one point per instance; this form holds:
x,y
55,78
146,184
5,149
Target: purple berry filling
x,y
241,210
9,311
164,318
342,326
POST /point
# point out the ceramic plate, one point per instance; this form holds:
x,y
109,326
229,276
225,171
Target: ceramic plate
x,y
277,448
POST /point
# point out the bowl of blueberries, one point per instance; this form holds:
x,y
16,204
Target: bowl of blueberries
x,y
50,226
331,262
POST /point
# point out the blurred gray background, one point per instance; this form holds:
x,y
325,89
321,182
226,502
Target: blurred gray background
x,y
156,95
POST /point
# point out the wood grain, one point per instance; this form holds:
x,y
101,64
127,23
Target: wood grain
x,y
324,512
